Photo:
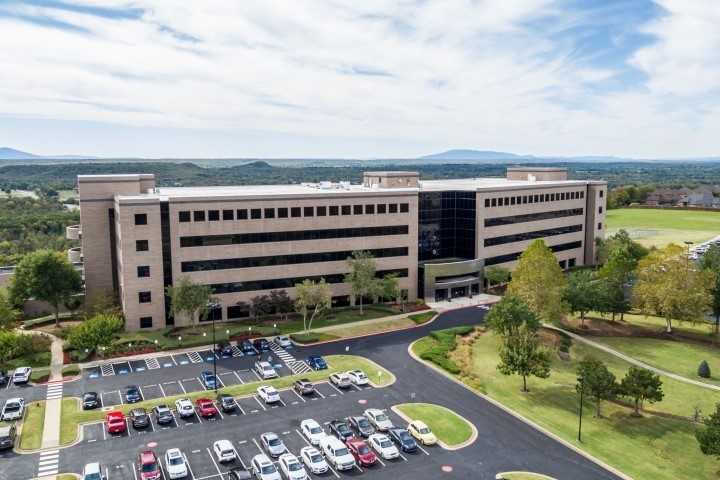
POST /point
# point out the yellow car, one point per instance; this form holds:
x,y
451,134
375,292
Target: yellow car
x,y
422,432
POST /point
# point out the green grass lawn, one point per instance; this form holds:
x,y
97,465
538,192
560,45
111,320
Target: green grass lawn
x,y
40,360
523,476
661,447
674,357
32,430
657,324
447,426
659,227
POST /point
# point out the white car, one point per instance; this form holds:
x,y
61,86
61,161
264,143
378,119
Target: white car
x,y
358,377
21,375
92,471
13,409
184,407
283,341
292,468
224,451
268,394
382,444
378,419
337,453
313,460
312,431
175,465
265,370
340,380
263,468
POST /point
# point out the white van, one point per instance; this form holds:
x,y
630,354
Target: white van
x,y
337,453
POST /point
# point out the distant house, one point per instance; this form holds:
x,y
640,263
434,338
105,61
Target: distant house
x,y
666,196
702,198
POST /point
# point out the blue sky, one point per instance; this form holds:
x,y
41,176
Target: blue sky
x,y
338,79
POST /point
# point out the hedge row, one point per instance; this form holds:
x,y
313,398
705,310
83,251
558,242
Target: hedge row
x,y
445,342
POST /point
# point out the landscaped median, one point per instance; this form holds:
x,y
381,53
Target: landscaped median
x,y
32,426
73,416
522,476
451,430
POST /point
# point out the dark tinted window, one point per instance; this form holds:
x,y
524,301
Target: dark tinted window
x,y
228,215
282,212
199,215
269,213
295,212
334,210
141,246
141,219
242,214
309,211
145,322
321,211
143,271
144,297
255,214
213,215
184,216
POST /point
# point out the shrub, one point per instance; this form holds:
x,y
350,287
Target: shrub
x,y
40,376
421,318
446,341
99,330
703,370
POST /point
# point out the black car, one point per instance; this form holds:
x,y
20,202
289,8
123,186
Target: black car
x,y
403,438
139,418
226,402
341,430
261,345
90,400
8,433
246,347
361,425
239,473
225,349
162,414
3,377
132,394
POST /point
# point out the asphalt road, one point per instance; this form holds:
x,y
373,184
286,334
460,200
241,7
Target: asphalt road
x,y
504,442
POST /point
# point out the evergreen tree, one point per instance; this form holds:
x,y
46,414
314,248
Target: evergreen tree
x,y
640,384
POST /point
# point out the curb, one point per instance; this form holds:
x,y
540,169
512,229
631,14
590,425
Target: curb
x,y
442,444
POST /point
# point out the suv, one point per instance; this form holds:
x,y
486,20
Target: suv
x,y
225,349
162,414
139,418
7,436
92,471
263,468
209,381
246,347
316,362
224,451
337,453
3,377
90,400
132,394
341,430
21,375
13,409
184,407
148,466
340,380
226,402
261,345
303,386
265,370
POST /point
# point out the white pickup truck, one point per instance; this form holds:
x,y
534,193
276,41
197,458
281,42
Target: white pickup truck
x,y
13,410
337,453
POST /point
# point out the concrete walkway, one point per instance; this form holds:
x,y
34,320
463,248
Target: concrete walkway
x,y
51,429
632,360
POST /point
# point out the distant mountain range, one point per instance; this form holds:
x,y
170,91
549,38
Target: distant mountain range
x,y
12,154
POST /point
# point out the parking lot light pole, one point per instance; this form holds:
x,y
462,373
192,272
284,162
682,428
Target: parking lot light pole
x,y
687,255
211,307
582,392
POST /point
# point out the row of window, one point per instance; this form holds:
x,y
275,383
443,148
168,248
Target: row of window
x,y
511,257
291,212
520,237
540,198
532,217
276,260
293,236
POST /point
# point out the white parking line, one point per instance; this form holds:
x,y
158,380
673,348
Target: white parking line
x,y
161,389
130,366
238,405
333,386
299,396
192,475
423,450
323,396
258,376
238,377
258,445
259,402
181,386
134,472
212,457
142,395
401,456
104,429
379,460
219,412
237,455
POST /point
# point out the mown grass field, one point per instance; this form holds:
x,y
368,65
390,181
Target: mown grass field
x,y
447,426
659,227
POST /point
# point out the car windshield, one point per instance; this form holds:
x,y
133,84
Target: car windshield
x,y
274,442
360,374
294,466
176,461
405,436
362,422
267,367
116,420
149,467
425,430
315,430
381,417
385,443
343,428
131,391
341,451
268,469
206,405
315,458
210,378
12,406
92,476
363,449
270,391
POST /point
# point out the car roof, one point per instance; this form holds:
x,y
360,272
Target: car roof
x,y
16,399
419,423
224,443
174,452
147,456
92,468
270,435
262,459
5,430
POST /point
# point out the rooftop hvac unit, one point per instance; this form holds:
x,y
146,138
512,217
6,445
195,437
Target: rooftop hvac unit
x,y
325,185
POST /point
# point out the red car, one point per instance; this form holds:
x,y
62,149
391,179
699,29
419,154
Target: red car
x,y
361,452
115,422
205,407
148,466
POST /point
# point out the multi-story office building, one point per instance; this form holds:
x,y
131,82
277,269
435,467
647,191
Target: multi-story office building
x,y
245,241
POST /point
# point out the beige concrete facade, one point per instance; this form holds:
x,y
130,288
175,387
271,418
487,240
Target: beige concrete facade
x,y
247,240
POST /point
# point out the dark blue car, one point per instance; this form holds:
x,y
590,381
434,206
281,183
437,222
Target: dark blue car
x,y
132,394
246,347
316,362
403,438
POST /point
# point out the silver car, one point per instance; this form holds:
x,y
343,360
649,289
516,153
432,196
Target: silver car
x,y
272,444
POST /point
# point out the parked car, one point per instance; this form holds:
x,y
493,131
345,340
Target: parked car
x,y
316,362
303,386
263,468
340,380
268,394
184,407
21,375
341,430
272,444
162,414
224,451
362,453
3,377
205,407
358,377
92,471
14,409
378,419
90,400
132,394
382,444
313,460
148,466
403,438
115,422
175,464
139,418
246,347
292,468
226,402
283,341
361,425
422,432
265,370
312,431
337,453
225,349
209,380
8,433
261,345
239,473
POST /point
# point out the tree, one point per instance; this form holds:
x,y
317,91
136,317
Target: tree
x,y
361,277
598,382
261,305
522,354
580,293
8,313
538,279
640,384
606,246
617,276
72,304
510,313
709,437
711,261
281,302
96,331
703,370
496,275
669,288
103,301
312,298
45,275
187,298
386,287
